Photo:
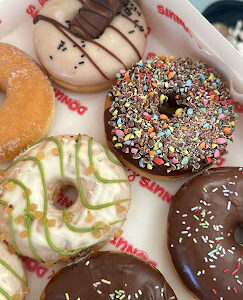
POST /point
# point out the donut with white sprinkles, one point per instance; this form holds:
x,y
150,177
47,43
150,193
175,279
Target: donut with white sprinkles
x,y
168,117
109,275
204,217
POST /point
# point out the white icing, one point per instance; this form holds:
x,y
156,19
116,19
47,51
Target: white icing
x,y
47,39
8,282
95,192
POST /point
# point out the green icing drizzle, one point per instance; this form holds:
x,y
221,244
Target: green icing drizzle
x,y
29,216
97,175
59,146
110,157
10,220
3,203
5,294
12,234
89,229
8,267
85,203
76,229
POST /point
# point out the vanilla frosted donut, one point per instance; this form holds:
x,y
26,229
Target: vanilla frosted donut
x,y
36,227
87,65
13,280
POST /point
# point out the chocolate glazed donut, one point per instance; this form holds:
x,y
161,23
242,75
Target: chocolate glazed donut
x,y
109,275
202,221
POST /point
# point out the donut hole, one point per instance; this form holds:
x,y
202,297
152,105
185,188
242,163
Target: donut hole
x,y
65,196
169,106
238,235
2,97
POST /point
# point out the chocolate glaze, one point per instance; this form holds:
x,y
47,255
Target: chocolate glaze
x,y
205,213
106,273
160,170
94,17
198,135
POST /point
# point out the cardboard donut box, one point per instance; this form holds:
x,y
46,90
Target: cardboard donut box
x,y
175,28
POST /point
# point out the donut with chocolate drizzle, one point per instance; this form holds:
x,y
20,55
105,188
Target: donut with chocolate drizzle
x,y
88,41
202,221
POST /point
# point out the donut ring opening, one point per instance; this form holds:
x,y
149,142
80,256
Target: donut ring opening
x,y
65,195
170,105
238,235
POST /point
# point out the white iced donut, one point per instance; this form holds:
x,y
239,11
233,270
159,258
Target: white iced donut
x,y
87,65
29,214
13,280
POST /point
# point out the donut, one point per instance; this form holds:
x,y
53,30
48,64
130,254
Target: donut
x,y
167,117
88,41
13,279
36,226
109,275
206,212
27,112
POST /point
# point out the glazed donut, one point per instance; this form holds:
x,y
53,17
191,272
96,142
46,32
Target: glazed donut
x,y
13,279
27,112
109,275
205,212
89,62
168,117
37,228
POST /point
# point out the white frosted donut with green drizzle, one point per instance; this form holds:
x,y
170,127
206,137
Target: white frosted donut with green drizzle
x,y
13,280
36,227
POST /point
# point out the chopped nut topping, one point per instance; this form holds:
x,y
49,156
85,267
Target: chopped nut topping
x,y
55,195
19,219
49,263
41,220
118,233
23,234
120,209
37,214
106,228
10,186
89,217
33,207
25,290
51,223
63,258
89,170
11,249
16,297
99,225
4,236
96,234
55,151
40,155
69,216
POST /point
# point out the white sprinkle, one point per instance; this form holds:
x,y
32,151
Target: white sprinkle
x,y
67,296
240,283
87,263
